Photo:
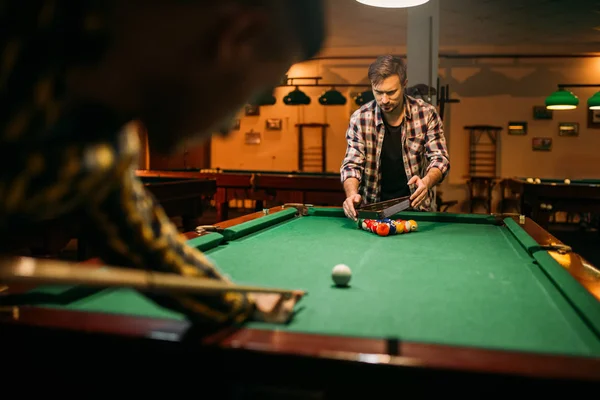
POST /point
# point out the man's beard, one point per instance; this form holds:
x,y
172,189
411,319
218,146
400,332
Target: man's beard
x,y
389,109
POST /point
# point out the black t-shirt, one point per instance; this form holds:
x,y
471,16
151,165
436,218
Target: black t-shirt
x,y
394,182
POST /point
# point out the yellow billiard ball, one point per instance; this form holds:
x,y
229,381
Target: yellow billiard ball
x,y
413,225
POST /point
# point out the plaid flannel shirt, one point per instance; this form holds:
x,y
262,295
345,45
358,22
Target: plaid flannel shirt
x,y
424,147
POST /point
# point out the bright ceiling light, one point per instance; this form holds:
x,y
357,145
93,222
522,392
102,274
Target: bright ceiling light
x,y
594,102
393,3
562,100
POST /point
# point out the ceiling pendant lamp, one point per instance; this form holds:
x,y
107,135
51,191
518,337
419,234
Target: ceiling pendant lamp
x,y
364,97
393,3
594,102
296,98
562,100
265,98
332,97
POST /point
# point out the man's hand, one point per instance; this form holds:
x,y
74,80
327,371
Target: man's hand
x,y
273,308
420,193
349,206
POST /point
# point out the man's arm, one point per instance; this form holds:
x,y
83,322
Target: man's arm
x,y
352,167
351,186
437,157
434,177
130,229
354,159
436,151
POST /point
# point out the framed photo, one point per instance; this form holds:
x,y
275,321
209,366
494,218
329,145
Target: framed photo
x,y
541,144
252,137
594,119
252,110
273,124
568,129
517,128
541,112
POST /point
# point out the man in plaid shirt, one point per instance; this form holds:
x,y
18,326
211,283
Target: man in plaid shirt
x,y
396,144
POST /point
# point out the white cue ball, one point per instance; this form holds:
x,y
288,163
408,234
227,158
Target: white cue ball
x,y
341,274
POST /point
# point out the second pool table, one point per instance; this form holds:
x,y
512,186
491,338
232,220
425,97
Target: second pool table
x,y
540,200
277,187
464,299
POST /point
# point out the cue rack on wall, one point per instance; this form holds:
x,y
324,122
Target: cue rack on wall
x,y
484,142
312,153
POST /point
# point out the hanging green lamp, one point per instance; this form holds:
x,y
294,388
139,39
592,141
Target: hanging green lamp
x,y
594,102
332,97
265,98
562,100
364,97
296,97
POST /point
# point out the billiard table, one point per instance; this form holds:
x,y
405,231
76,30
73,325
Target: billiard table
x,y
541,200
463,300
181,197
278,187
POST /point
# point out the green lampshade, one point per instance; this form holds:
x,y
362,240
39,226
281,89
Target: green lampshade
x,y
594,102
364,97
332,98
562,100
265,98
296,97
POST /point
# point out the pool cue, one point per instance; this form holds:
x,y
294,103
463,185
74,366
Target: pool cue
x,y
38,271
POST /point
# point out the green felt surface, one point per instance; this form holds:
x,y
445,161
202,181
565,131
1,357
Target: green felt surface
x,y
459,280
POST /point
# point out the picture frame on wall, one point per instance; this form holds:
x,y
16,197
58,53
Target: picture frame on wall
x,y
252,137
517,128
568,129
273,124
594,119
541,144
252,110
541,112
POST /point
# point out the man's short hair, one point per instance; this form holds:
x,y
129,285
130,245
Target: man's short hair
x,y
386,66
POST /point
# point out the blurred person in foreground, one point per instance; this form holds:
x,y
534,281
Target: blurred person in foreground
x,y
75,74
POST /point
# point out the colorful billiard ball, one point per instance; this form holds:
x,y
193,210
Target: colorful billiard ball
x,y
567,181
413,225
341,274
392,226
383,229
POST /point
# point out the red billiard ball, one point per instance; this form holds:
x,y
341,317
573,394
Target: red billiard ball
x,y
383,229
